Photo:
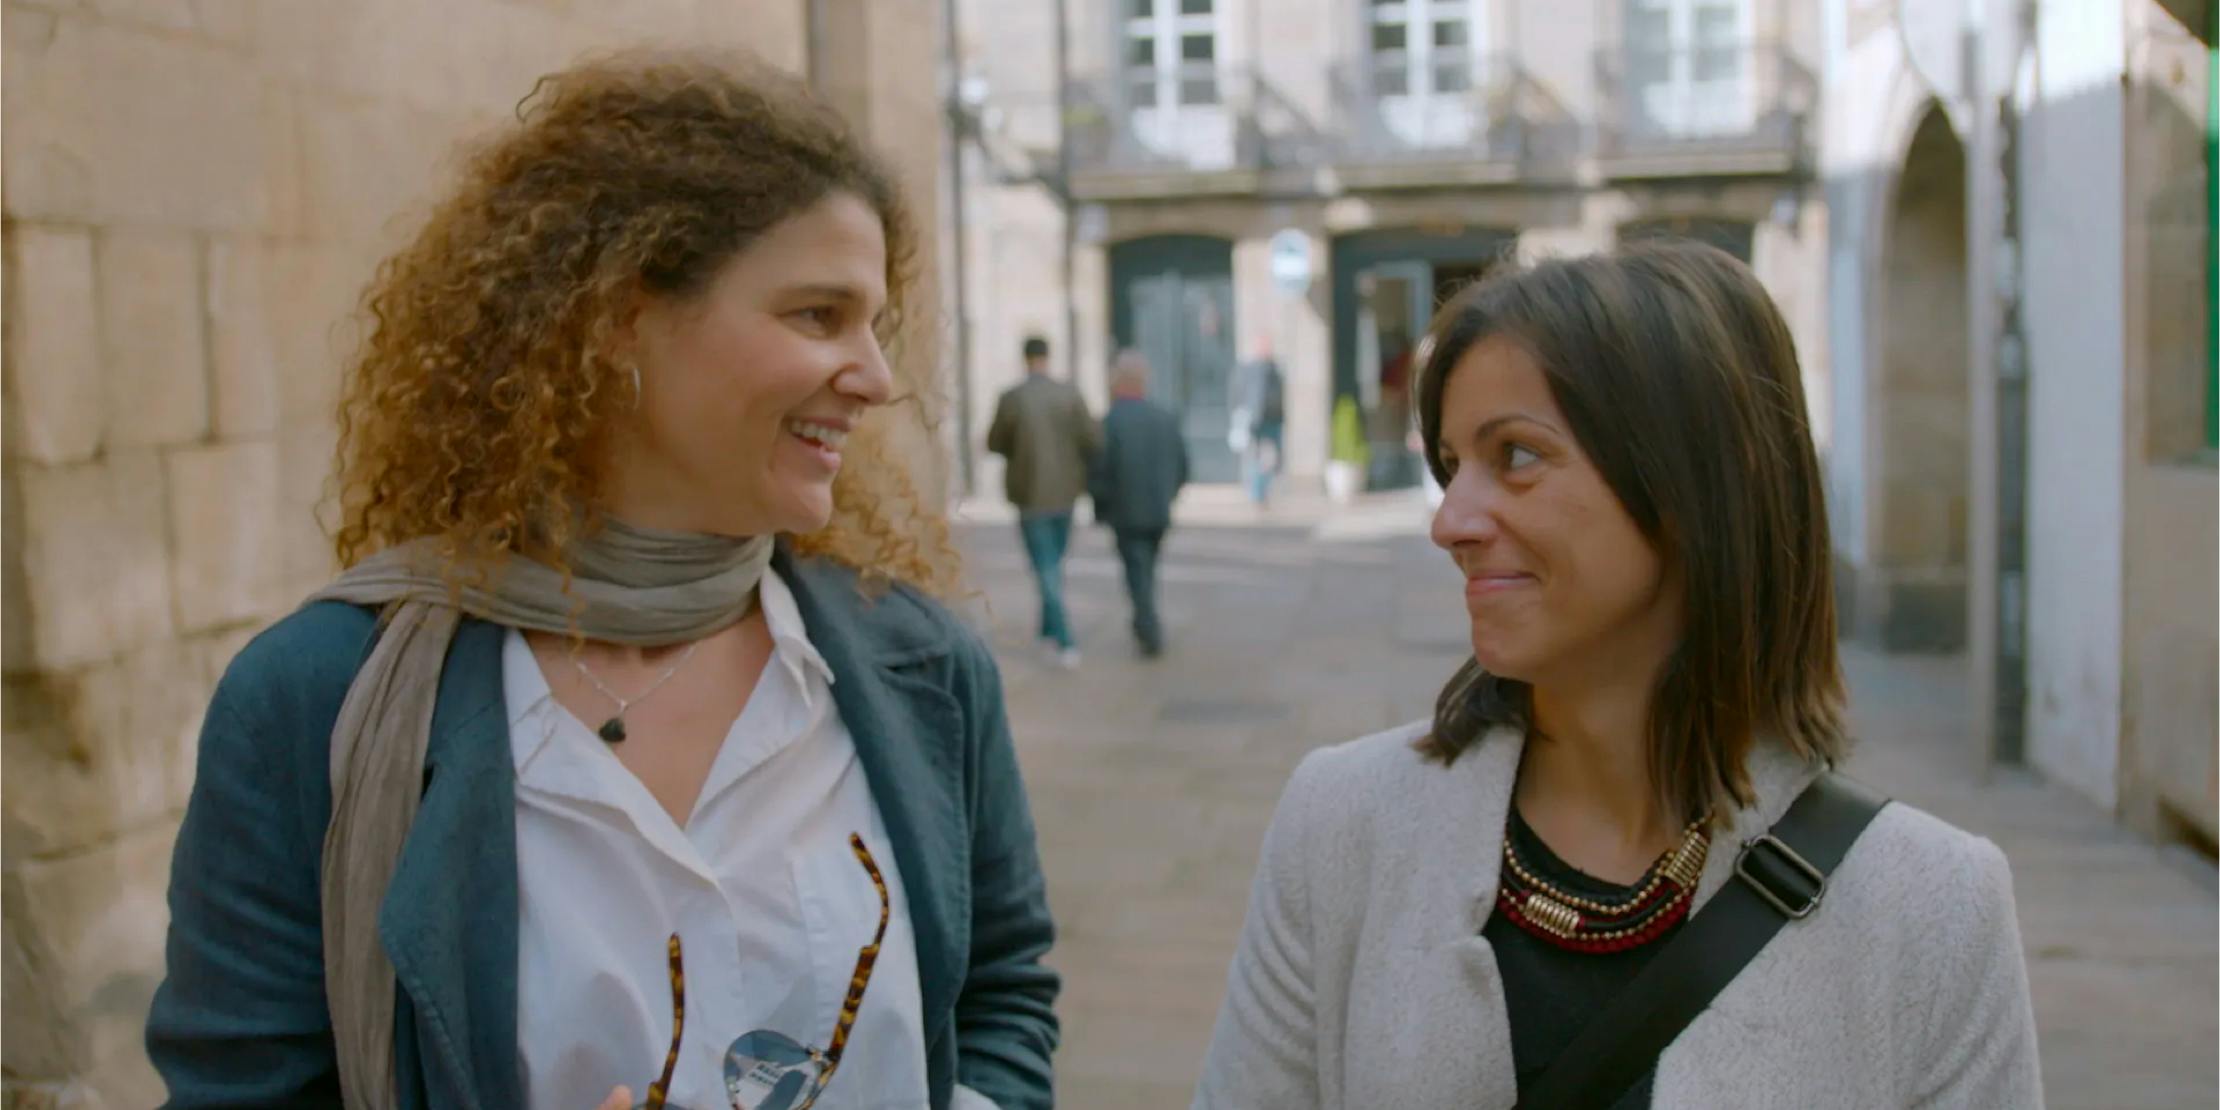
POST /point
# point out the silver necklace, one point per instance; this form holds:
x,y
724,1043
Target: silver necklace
x,y
612,730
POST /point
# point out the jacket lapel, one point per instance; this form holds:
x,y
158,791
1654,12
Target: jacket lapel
x,y
889,661
449,921
1487,772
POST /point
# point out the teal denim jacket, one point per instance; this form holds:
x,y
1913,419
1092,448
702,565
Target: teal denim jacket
x,y
241,1021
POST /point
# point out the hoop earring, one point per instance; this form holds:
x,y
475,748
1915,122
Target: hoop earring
x,y
634,367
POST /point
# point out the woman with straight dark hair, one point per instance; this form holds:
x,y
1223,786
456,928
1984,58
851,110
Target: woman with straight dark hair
x,y
1615,869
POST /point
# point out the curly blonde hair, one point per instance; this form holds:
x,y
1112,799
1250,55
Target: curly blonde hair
x,y
482,388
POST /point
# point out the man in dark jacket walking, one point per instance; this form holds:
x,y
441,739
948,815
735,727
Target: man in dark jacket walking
x,y
1042,429
1144,462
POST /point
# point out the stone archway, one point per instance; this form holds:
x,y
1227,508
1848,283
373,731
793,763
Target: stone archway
x,y
1921,400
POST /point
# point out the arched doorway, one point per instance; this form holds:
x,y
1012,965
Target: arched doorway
x,y
1921,398
1171,296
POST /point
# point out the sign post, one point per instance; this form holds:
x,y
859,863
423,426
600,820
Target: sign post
x,y
1291,270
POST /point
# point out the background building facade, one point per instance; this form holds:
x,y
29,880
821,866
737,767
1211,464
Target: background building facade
x,y
1206,178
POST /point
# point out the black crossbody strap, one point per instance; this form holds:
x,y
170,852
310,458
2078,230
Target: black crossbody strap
x,y
1779,877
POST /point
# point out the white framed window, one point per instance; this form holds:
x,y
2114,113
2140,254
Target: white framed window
x,y
1690,66
1168,50
1170,53
1422,60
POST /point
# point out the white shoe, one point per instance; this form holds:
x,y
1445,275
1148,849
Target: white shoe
x,y
1068,658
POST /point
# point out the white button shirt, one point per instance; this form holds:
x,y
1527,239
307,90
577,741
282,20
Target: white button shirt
x,y
768,899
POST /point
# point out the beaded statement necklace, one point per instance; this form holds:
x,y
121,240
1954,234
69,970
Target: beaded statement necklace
x,y
1569,921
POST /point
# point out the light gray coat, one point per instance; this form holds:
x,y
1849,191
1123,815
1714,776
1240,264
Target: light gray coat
x,y
1362,980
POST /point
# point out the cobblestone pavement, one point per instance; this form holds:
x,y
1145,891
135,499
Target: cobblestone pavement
x,y
1152,782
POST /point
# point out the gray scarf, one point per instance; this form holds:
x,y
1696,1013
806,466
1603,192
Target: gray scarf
x,y
629,586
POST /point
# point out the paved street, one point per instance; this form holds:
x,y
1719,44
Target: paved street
x,y
1152,783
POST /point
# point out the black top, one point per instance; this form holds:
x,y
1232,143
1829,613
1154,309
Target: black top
x,y
1552,991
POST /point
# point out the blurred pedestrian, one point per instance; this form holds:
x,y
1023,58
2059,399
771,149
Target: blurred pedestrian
x,y
1625,801
1143,465
589,776
1258,399
1049,441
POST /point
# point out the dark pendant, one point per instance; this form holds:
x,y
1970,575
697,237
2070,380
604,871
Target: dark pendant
x,y
612,730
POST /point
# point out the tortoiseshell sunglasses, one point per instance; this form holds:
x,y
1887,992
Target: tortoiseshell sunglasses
x,y
765,1070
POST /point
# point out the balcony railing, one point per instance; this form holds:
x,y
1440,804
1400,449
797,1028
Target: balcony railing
x,y
1461,121
1702,109
1201,129
1204,130
1017,135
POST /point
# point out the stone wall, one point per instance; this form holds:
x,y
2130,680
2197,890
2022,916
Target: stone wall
x,y
2116,605
2072,168
195,194
2170,769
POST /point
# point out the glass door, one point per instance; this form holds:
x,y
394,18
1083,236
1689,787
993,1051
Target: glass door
x,y
1396,302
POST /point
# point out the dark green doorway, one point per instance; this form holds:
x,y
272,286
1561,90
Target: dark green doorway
x,y
1171,297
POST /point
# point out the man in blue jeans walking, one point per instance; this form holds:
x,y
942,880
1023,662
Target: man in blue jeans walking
x,y
1043,432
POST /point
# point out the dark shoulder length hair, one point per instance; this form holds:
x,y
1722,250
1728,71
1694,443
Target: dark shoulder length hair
x,y
1680,381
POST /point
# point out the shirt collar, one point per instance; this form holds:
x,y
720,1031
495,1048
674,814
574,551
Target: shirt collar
x,y
789,636
529,700
531,703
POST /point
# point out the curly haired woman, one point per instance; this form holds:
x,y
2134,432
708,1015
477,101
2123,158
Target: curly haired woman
x,y
630,753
